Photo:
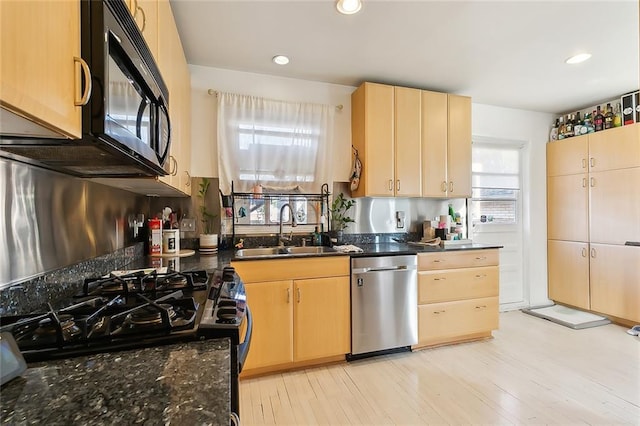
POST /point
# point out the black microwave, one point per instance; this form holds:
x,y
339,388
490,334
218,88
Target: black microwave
x,y
126,131
129,107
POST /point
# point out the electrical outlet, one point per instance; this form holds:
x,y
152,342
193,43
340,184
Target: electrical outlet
x,y
188,225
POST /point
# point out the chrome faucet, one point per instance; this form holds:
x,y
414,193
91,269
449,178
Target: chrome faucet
x,y
281,239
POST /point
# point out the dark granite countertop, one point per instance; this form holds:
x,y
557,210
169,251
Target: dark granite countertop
x,y
377,249
181,384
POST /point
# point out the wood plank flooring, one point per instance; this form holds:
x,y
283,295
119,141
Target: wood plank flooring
x,y
532,372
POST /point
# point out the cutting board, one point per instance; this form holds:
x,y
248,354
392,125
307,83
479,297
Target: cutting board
x,y
181,253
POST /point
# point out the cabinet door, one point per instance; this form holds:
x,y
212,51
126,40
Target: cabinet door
x,y
322,321
40,79
372,134
615,281
407,142
615,206
568,272
617,148
271,305
146,16
434,111
568,156
568,207
175,73
459,147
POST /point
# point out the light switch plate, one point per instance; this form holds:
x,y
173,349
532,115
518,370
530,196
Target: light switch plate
x,y
188,225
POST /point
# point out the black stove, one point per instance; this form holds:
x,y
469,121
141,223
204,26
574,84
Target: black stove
x,y
135,309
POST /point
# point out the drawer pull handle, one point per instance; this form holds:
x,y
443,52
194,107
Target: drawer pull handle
x,y
288,295
584,163
444,186
481,276
481,257
438,260
439,312
439,279
592,162
298,294
481,307
390,184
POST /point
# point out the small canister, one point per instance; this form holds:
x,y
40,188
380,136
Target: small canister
x,y
170,241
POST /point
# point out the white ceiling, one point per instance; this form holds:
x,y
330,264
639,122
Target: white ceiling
x,y
504,53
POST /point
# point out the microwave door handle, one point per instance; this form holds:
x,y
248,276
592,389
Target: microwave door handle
x,y
165,154
143,106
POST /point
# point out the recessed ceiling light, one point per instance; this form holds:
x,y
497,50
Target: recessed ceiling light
x,y
348,7
280,60
578,58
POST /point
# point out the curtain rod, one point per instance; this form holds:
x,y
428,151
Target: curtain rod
x,y
214,92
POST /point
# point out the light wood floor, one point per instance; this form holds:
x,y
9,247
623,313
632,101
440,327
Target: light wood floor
x,y
532,372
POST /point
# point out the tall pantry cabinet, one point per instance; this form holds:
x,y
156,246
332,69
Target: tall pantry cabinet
x,y
593,202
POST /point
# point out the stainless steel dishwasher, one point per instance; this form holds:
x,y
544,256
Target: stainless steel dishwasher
x,y
384,304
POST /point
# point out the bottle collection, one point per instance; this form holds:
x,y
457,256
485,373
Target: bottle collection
x,y
595,121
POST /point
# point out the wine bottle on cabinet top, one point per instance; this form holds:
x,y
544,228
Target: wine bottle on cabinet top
x,y
598,121
617,116
608,117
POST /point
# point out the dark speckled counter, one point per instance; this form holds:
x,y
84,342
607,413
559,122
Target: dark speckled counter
x,y
180,384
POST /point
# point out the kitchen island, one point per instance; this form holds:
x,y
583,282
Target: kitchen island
x,y
180,384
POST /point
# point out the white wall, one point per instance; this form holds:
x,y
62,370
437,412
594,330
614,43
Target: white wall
x,y
488,122
532,128
203,109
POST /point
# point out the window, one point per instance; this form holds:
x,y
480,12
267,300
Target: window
x,y
279,145
495,185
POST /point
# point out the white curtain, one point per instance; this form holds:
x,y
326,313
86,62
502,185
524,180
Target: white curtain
x,y
279,145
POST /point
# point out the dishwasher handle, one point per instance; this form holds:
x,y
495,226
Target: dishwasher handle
x,y
382,269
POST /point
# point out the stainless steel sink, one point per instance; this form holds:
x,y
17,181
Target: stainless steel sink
x,y
283,251
310,250
262,251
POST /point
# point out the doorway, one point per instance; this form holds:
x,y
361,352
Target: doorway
x,y
496,212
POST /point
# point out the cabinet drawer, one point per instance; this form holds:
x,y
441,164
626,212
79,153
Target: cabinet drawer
x,y
457,259
438,321
456,284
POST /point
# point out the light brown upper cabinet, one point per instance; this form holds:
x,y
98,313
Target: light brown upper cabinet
x,y
175,72
385,127
446,145
42,70
145,14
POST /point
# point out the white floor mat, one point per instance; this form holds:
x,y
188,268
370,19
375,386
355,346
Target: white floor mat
x,y
572,318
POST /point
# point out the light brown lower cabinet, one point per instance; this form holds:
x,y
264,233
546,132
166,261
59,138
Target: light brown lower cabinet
x,y
568,272
301,312
457,296
615,289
